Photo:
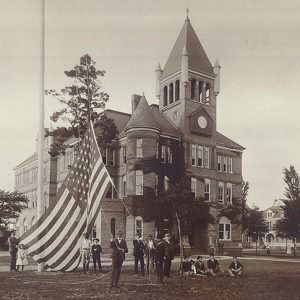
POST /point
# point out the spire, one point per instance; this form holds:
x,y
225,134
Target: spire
x,y
198,59
142,117
158,68
187,15
217,64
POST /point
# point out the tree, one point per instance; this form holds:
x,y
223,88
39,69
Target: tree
x,y
81,102
11,205
290,225
256,224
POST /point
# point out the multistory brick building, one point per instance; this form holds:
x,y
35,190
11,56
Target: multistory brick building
x,y
183,123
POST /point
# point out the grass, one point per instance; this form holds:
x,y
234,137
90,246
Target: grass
x,y
261,280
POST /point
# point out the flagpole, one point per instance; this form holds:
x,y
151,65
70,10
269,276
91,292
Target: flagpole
x,y
41,129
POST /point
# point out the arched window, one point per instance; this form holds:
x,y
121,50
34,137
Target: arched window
x,y
193,89
113,226
171,93
177,90
224,229
139,226
200,91
25,225
207,95
165,96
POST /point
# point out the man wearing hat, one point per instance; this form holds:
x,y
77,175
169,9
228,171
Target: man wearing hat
x,y
159,258
119,248
169,253
96,254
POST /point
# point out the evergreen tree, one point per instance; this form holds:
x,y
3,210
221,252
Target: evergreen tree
x,y
81,102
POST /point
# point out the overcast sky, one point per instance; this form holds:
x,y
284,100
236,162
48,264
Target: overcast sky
x,y
257,44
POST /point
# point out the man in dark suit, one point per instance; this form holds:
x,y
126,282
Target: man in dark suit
x,y
138,253
12,243
169,254
119,248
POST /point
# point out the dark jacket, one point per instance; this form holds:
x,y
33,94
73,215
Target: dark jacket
x,y
235,266
12,243
160,254
169,250
199,266
117,249
186,266
212,264
96,250
138,248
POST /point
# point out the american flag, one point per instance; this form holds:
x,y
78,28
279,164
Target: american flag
x,y
56,236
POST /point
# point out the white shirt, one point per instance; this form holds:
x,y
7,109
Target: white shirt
x,y
150,244
86,244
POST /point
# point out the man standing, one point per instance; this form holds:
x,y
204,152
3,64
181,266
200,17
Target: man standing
x,y
159,257
96,254
12,243
85,250
119,248
138,253
150,249
169,253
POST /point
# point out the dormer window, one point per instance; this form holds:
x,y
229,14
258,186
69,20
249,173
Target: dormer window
x,y
193,89
269,214
165,96
177,90
171,93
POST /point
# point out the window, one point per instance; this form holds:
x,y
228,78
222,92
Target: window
x,y
200,156
139,226
194,186
229,162
124,186
219,162
139,182
25,225
166,183
207,94
156,184
166,156
194,154
206,157
110,157
229,193
113,226
139,149
171,93
224,229
224,164
165,96
270,225
221,192
269,214
177,90
193,89
207,190
124,157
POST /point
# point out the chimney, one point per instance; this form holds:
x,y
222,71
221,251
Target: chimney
x,y
217,68
135,100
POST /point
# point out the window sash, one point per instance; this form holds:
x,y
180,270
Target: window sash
x,y
194,155
206,157
200,156
139,149
219,162
139,182
124,157
221,193
229,164
194,186
229,193
207,190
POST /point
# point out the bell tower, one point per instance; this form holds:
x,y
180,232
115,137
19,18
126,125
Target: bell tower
x,y
188,83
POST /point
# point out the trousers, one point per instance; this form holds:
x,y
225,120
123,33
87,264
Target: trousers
x,y
117,263
138,259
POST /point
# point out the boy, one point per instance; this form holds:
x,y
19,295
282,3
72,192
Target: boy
x,y
85,250
186,266
96,254
200,267
213,266
235,268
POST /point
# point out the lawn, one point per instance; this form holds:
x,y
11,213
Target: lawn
x,y
261,280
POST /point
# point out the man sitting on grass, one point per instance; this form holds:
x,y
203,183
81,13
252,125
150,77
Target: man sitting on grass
x,y
200,269
236,268
214,267
186,266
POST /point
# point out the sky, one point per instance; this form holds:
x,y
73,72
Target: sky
x,y
256,42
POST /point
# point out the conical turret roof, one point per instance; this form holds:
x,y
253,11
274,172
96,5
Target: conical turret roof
x,y
142,117
198,59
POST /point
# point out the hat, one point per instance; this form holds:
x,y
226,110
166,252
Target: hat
x,y
95,240
120,232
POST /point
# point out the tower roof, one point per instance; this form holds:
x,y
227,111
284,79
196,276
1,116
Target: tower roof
x,y
142,116
198,59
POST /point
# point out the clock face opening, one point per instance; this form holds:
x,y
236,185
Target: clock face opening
x,y
202,122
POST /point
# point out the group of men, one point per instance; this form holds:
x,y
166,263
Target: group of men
x,y
190,267
159,254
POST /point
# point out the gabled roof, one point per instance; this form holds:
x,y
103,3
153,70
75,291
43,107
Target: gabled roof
x,y
198,59
27,161
224,141
142,117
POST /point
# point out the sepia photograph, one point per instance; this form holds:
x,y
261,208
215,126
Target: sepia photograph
x,y
150,149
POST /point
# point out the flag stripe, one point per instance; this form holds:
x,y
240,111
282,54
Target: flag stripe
x,y
54,243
